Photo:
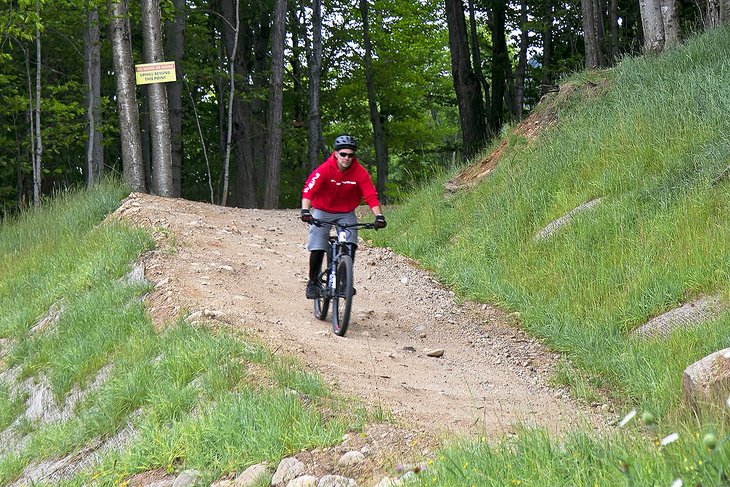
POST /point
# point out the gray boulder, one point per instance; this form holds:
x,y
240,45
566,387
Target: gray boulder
x,y
707,381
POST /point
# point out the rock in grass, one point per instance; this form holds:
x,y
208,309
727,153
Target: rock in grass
x,y
188,478
289,468
253,475
707,381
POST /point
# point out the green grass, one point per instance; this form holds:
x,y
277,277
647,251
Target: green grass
x,y
195,398
650,145
650,142
533,458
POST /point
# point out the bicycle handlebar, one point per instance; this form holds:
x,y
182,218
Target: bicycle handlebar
x,y
367,226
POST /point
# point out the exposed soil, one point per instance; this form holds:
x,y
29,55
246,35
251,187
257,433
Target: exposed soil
x,y
543,117
247,269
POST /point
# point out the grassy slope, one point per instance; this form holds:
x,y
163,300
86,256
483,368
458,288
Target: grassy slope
x,y
650,145
61,258
649,142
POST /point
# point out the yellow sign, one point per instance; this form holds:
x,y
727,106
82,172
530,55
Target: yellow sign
x,y
155,73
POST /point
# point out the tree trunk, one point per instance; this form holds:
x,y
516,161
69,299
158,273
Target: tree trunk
x,y
381,148
315,67
145,131
92,74
613,19
477,60
133,166
39,141
590,34
521,70
653,25
500,65
668,10
174,44
276,95
466,83
232,48
725,12
547,49
259,125
712,15
159,117
31,118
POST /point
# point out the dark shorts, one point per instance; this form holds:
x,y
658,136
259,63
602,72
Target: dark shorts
x,y
319,236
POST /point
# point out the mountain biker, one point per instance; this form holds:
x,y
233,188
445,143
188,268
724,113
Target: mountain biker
x,y
331,193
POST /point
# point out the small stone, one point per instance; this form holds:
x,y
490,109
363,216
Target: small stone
x,y
336,481
188,478
436,352
253,475
351,458
288,469
303,481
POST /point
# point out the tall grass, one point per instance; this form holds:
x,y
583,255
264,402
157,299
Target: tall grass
x,y
533,458
650,140
650,144
183,397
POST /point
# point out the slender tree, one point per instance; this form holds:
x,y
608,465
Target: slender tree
x,y
232,30
477,61
92,74
594,56
37,166
381,148
659,22
129,134
175,48
500,64
157,94
314,136
521,70
276,94
466,83
613,28
547,48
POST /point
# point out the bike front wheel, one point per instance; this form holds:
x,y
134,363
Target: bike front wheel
x,y
342,301
322,302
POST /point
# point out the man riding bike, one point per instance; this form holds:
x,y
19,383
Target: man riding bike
x,y
331,193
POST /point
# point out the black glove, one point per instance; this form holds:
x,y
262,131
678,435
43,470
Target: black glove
x,y
380,222
306,216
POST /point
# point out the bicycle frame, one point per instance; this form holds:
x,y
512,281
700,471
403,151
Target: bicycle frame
x,y
338,246
336,281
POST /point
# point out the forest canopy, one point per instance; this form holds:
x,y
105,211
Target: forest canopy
x,y
264,86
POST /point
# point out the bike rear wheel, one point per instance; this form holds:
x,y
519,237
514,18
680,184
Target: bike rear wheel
x,y
322,303
342,304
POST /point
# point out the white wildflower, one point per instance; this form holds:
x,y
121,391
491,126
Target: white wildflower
x,y
728,401
669,439
677,483
629,417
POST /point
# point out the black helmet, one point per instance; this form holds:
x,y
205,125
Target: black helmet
x,y
345,142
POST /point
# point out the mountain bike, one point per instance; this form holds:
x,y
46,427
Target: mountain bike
x,y
336,280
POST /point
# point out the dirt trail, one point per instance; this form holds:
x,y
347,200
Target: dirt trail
x,y
247,268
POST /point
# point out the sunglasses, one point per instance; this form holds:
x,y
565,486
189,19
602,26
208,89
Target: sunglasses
x,y
346,154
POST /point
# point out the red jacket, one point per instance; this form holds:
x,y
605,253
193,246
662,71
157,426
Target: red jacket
x,y
334,191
